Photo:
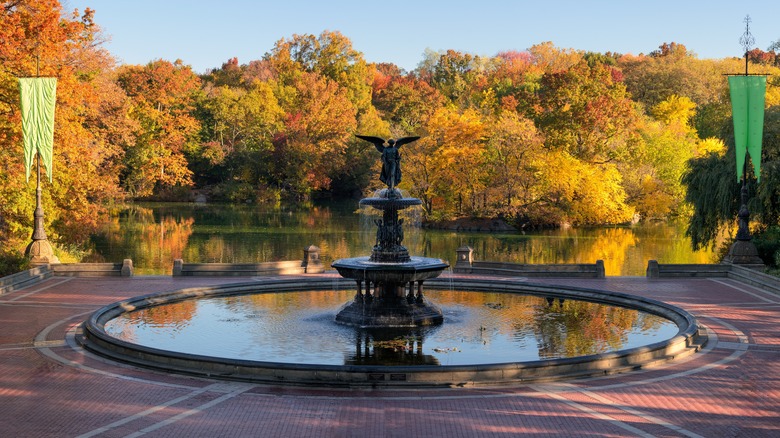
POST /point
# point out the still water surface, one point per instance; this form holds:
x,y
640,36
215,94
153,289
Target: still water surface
x,y
153,235
479,328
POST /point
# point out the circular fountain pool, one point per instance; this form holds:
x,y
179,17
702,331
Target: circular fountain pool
x,y
493,332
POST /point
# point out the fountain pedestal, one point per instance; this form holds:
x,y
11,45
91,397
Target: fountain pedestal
x,y
390,281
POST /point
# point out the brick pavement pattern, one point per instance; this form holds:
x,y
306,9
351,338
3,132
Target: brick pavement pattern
x,y
49,387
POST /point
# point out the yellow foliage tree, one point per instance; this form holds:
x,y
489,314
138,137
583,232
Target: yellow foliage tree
x,y
448,163
580,193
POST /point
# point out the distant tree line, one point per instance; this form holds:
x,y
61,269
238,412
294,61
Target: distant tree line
x,y
540,137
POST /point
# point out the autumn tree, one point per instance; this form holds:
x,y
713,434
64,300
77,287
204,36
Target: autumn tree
x,y
330,55
39,38
513,150
163,102
238,128
445,167
318,123
586,111
672,70
461,157
453,74
575,192
405,101
231,74
552,59
514,81
461,78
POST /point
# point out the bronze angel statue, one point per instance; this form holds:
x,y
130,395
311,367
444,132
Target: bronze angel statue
x,y
391,159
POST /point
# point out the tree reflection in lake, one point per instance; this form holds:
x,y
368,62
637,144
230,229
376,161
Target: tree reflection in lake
x,y
153,235
151,238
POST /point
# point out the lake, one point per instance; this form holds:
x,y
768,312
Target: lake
x,y
155,234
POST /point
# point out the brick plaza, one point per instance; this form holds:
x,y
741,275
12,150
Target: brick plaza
x,y
50,387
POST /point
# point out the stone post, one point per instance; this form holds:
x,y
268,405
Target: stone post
x,y
600,271
464,260
178,265
311,260
653,271
127,268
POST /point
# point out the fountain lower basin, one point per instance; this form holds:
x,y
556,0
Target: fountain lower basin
x,y
685,341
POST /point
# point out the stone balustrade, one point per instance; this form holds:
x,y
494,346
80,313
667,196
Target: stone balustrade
x,y
467,265
124,269
181,269
311,264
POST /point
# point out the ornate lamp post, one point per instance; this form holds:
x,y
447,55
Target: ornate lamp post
x,y
38,98
747,100
39,250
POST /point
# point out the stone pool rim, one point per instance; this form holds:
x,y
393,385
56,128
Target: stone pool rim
x,y
688,340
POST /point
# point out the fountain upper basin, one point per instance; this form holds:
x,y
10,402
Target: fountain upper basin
x,y
417,269
382,203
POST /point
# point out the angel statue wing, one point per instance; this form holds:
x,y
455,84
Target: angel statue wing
x,y
378,142
404,140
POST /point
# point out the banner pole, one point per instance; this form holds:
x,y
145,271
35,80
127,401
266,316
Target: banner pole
x,y
39,233
743,251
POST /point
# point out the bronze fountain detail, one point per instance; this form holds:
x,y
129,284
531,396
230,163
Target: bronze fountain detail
x,y
390,281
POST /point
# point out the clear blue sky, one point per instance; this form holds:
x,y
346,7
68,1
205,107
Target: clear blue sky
x,y
204,34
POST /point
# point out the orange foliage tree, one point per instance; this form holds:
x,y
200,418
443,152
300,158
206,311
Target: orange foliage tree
x,y
319,120
39,39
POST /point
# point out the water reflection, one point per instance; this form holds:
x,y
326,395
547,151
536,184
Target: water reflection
x,y
390,347
479,328
588,327
155,234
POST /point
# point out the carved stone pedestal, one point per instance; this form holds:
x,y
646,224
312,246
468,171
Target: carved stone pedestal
x,y
40,253
744,253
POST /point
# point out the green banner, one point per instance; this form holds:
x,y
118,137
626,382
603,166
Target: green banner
x,y
38,99
747,107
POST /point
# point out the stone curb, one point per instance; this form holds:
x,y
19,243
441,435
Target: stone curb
x,y
688,340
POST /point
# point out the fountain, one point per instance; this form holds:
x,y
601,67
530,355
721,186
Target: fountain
x,y
392,278
506,331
